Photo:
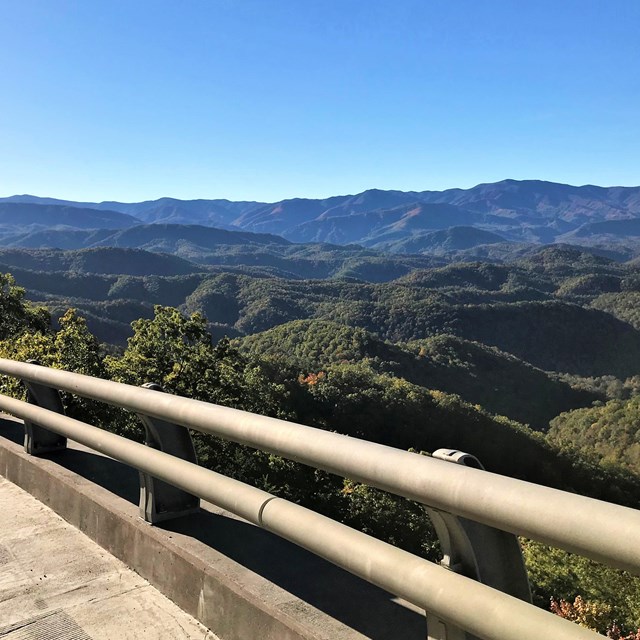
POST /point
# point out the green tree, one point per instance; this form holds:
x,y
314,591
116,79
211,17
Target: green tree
x,y
610,595
73,348
16,314
607,433
176,351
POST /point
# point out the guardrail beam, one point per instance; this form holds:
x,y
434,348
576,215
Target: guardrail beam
x,y
160,501
602,531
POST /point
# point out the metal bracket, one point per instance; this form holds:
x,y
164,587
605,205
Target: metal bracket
x,y
158,500
490,556
37,439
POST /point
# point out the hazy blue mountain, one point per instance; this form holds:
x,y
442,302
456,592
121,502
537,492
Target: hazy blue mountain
x,y
21,215
167,238
527,211
214,212
611,228
218,213
28,199
545,200
55,238
369,228
440,242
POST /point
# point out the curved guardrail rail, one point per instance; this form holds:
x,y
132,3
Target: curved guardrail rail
x,y
602,531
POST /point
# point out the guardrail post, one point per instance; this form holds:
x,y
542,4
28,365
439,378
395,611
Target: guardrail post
x,y
37,439
159,500
490,556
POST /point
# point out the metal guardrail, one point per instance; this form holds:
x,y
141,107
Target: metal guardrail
x,y
459,607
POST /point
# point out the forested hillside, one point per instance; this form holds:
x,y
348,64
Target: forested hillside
x,y
533,365
545,308
481,375
607,433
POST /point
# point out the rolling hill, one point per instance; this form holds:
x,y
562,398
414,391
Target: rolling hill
x,y
481,375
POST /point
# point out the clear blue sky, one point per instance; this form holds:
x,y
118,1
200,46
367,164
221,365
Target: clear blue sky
x,y
268,99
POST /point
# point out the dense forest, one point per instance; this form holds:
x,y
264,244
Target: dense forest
x,y
531,364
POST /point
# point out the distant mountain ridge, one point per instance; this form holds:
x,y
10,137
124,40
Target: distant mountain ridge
x,y
531,211
23,214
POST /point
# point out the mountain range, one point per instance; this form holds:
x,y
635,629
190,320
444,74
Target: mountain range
x,y
529,211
